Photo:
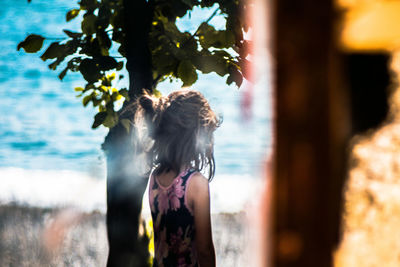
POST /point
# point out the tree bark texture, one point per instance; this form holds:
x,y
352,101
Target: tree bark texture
x,y
311,133
125,184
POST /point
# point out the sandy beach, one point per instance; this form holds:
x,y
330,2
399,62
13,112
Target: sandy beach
x,y
80,239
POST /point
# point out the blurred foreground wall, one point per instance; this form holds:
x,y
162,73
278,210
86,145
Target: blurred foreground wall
x,y
332,80
311,131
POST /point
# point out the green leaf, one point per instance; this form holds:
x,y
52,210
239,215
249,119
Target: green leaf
x,y
116,19
234,76
99,119
32,43
53,51
233,23
187,73
72,34
78,89
180,8
88,4
89,70
71,46
116,96
88,24
96,102
87,99
223,54
124,93
53,66
111,76
63,73
227,39
211,62
89,86
172,32
168,13
106,98
106,63
104,16
91,47
117,36
190,45
119,67
111,119
157,93
105,82
104,39
209,37
190,3
73,64
72,14
164,63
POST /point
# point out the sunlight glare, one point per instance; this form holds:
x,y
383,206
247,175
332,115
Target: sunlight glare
x,y
370,25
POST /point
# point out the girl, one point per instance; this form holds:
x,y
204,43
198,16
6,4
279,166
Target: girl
x,y
181,126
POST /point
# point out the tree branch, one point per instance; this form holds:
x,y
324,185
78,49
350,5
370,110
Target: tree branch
x,y
198,28
155,81
55,38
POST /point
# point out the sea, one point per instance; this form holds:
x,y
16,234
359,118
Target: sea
x,y
50,156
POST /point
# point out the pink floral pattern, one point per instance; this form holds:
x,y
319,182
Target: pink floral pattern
x,y
176,192
169,197
173,223
176,240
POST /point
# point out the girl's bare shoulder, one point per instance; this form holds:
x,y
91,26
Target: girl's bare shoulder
x,y
198,190
198,181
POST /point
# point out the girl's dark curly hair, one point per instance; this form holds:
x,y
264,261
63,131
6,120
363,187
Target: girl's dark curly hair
x,y
181,126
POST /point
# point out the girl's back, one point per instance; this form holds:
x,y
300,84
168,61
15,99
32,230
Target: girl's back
x,y
173,220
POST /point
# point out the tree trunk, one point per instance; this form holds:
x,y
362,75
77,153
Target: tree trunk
x,y
125,184
312,129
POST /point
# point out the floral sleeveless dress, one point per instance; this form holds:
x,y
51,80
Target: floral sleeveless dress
x,y
173,223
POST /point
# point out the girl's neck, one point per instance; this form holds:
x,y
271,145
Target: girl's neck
x,y
165,178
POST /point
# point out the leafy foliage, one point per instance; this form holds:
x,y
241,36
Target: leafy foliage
x,y
175,54
32,43
72,14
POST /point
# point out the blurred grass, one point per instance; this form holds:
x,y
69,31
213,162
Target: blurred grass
x,y
22,240
82,237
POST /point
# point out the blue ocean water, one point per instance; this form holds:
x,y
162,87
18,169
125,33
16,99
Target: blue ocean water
x,y
43,126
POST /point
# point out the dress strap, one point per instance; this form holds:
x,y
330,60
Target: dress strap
x,y
187,173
